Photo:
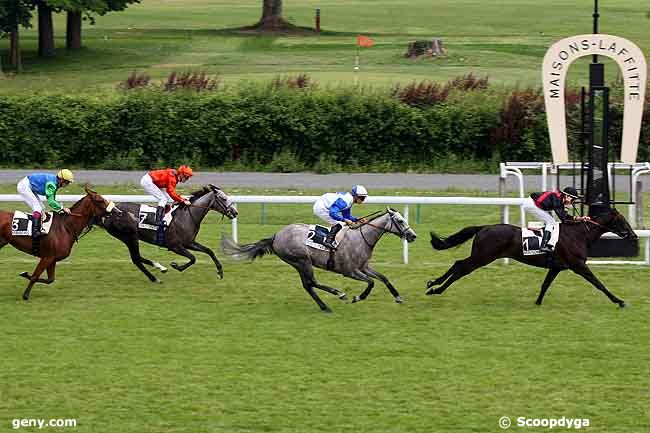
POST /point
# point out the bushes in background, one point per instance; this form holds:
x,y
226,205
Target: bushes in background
x,y
281,128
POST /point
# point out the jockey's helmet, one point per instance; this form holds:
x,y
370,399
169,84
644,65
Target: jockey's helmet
x,y
571,192
359,191
185,171
65,174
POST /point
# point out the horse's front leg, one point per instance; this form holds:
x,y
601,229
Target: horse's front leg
x,y
195,246
42,265
393,291
182,251
584,271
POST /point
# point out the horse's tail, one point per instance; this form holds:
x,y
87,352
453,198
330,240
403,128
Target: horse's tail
x,y
440,243
248,251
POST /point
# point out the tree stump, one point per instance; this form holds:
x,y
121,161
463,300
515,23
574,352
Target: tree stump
x,y
429,47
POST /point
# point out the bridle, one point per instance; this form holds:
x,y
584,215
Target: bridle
x,y
381,229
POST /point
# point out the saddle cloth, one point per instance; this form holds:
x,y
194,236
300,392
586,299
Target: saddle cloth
x,y
317,235
531,241
147,217
21,224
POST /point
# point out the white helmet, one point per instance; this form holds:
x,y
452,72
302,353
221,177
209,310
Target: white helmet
x,y
359,191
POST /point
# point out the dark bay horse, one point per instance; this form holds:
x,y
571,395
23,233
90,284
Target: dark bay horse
x,y
350,259
503,240
57,245
180,236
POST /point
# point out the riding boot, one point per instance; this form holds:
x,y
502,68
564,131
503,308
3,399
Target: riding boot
x,y
36,228
160,215
545,247
331,236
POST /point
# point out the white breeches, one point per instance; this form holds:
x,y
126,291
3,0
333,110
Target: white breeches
x,y
162,196
323,213
25,191
549,222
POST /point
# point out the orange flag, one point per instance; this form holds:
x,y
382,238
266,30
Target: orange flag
x,y
364,41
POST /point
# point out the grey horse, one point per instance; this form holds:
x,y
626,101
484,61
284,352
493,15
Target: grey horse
x,y
180,236
350,259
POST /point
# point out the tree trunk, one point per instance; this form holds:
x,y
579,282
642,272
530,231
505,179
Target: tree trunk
x,y
15,57
272,16
73,31
45,31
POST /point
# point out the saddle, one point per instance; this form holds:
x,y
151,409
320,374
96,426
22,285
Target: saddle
x,y
21,224
317,235
147,217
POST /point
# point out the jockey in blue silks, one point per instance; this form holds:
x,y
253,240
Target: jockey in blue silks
x,y
335,209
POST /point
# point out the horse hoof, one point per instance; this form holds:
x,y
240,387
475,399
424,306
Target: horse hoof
x,y
430,284
163,270
220,274
343,296
399,300
356,299
622,304
24,275
538,303
157,281
25,298
174,265
429,292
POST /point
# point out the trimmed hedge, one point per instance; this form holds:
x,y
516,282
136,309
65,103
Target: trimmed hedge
x,y
142,129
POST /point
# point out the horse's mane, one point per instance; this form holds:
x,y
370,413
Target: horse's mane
x,y
199,193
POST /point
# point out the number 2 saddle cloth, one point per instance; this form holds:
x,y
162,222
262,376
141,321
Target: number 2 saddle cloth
x,y
317,234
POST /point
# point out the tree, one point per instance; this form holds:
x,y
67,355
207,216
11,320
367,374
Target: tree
x,y
79,10
271,19
13,14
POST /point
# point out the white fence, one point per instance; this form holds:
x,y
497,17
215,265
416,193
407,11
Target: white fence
x,y
388,200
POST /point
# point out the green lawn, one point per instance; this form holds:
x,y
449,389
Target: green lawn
x,y
504,40
252,353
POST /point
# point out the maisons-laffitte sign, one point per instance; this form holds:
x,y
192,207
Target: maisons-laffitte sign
x,y
632,63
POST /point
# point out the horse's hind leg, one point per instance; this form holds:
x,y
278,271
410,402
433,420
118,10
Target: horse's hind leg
x,y
195,246
333,290
550,276
306,272
358,275
440,279
134,251
462,268
50,275
393,291
42,265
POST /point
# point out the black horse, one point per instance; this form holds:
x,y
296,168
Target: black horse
x,y
503,240
180,236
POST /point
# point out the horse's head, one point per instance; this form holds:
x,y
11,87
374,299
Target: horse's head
x,y
98,205
222,203
403,230
616,223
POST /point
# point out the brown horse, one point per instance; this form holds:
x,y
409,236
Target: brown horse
x,y
58,243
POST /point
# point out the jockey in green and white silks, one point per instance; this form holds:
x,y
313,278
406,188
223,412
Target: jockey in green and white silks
x,y
45,185
335,208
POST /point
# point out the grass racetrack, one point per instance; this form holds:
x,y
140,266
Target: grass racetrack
x,y
252,352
